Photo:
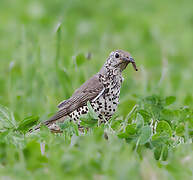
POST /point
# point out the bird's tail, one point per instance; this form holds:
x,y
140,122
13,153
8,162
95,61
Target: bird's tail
x,y
51,124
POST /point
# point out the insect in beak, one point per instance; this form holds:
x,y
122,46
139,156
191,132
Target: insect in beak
x,y
133,63
130,60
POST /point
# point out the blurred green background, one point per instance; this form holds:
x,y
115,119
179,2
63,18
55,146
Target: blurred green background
x,y
45,44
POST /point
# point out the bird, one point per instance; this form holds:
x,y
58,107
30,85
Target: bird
x,y
102,91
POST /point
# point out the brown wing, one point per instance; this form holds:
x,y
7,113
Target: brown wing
x,y
87,92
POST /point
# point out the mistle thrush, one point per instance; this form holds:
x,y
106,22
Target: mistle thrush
x,y
101,90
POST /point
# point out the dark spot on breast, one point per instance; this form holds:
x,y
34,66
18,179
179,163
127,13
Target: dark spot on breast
x,y
99,103
106,91
100,116
114,97
84,112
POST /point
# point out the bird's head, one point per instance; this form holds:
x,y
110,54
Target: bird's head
x,y
119,60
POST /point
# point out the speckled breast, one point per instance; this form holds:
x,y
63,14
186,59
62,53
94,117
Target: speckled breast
x,y
105,105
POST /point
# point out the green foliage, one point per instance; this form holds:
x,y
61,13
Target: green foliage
x,y
80,59
27,123
7,120
164,128
49,48
145,135
170,100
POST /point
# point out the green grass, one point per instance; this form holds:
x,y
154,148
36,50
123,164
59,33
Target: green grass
x,y
43,50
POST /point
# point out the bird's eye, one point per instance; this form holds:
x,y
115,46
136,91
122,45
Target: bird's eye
x,y
117,55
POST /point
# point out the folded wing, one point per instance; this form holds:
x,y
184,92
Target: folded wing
x,y
90,90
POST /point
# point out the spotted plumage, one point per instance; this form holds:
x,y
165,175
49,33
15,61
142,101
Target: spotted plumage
x,y
106,104
102,91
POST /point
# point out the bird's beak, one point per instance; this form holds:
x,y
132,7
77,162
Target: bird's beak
x,y
124,59
130,60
